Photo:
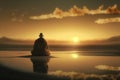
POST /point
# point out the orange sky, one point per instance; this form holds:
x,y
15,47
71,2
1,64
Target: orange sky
x,y
60,22
64,29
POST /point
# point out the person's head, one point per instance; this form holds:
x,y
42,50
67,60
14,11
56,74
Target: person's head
x,y
41,35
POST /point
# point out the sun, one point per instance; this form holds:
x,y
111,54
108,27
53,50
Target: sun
x,y
75,39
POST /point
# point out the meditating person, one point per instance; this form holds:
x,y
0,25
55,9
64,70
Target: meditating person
x,y
40,47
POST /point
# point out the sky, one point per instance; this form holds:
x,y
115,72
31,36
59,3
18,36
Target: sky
x,y
69,20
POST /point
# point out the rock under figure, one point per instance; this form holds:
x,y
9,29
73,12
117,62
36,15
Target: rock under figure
x,y
40,47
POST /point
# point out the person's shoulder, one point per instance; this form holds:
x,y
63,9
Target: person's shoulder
x,y
43,39
37,39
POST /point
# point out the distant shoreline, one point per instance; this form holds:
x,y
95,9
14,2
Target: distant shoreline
x,y
82,53
63,47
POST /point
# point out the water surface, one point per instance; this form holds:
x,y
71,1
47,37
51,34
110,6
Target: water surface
x,y
65,62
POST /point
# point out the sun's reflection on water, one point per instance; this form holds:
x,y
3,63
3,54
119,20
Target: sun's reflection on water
x,y
75,56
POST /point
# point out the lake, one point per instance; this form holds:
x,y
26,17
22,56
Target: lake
x,y
71,64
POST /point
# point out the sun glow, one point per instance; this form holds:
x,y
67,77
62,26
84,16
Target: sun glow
x,y
75,56
75,39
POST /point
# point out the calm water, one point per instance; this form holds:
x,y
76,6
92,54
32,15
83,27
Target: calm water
x,y
61,63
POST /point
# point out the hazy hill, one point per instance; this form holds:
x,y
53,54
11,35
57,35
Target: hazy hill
x,y
115,40
9,41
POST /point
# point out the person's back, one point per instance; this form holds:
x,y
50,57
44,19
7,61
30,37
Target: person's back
x,y
40,43
40,46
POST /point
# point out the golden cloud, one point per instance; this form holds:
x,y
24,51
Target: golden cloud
x,y
83,76
113,10
107,20
76,11
106,67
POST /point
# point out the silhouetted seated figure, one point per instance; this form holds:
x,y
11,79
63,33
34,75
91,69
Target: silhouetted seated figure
x,y
40,47
40,65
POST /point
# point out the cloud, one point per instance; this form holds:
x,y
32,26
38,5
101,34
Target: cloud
x,y
83,76
17,17
109,68
107,20
113,10
59,14
76,11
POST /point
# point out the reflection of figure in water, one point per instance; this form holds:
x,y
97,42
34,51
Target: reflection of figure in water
x,y
40,47
40,65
